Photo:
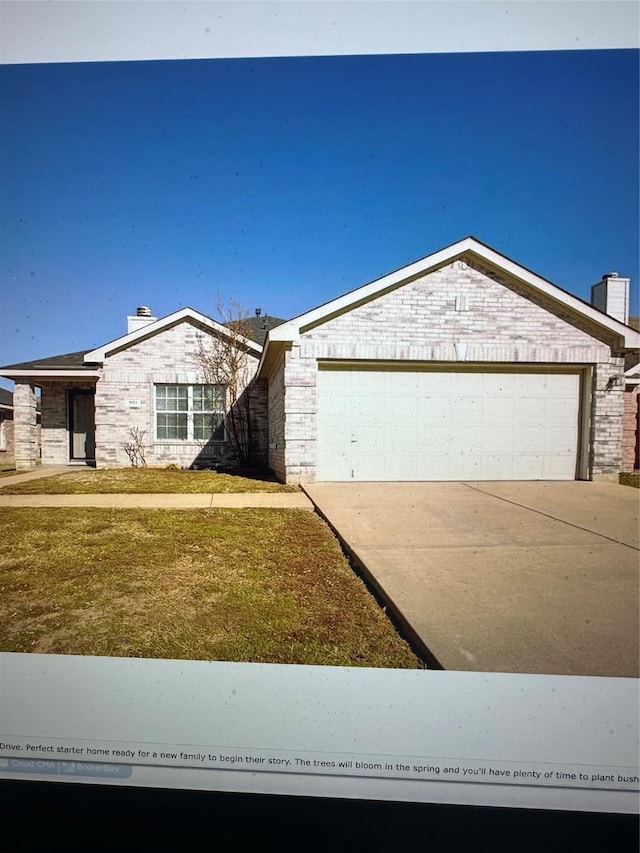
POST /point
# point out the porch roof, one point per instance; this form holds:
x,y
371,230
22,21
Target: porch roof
x,y
61,366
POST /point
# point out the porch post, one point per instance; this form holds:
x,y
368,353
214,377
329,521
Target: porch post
x,y
24,425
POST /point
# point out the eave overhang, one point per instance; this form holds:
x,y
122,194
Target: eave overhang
x,y
474,250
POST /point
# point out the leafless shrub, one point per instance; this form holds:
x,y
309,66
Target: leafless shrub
x,y
135,448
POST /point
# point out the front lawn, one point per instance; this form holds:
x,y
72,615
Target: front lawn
x,y
148,481
270,586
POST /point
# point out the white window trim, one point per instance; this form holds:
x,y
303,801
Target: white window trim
x,y
189,413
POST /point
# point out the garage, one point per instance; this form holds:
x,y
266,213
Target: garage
x,y
401,422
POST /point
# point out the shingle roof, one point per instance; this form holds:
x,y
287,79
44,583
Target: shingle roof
x,y
256,328
66,361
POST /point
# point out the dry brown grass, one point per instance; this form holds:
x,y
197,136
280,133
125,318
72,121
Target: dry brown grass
x,y
269,586
632,478
145,481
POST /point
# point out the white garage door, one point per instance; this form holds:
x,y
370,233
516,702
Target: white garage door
x,y
390,424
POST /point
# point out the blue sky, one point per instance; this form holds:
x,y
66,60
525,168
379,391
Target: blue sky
x,y
282,183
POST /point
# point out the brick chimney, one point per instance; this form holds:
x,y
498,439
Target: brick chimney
x,y
141,318
611,295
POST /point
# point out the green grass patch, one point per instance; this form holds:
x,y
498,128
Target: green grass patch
x,y
270,586
146,481
631,478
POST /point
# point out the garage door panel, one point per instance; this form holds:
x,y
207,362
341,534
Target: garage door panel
x,y
499,411
527,408
559,441
554,467
381,424
497,440
434,410
558,412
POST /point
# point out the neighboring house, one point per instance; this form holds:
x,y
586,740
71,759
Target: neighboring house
x,y
147,380
461,366
6,428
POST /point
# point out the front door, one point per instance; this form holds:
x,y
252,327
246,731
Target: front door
x,y
82,425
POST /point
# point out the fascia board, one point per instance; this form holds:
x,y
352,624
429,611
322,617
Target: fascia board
x,y
291,330
52,374
630,336
269,356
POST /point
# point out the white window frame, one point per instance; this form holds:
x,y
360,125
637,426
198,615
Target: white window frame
x,y
3,433
189,412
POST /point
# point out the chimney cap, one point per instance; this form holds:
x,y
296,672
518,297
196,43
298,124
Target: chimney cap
x,y
143,311
610,275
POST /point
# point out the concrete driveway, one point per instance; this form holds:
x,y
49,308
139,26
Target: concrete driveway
x,y
538,577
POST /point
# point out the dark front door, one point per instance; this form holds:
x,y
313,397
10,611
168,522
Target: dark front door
x,y
82,425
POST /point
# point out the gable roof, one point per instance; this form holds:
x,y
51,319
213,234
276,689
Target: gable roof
x,y
468,247
87,363
98,355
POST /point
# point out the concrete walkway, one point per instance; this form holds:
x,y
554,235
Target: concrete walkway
x,y
38,473
501,577
256,500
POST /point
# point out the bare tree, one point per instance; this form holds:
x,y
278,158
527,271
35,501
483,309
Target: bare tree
x,y
135,448
225,360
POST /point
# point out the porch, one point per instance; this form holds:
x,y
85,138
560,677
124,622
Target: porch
x,y
67,430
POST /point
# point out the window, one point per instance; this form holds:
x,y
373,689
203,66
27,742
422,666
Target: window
x,y
190,413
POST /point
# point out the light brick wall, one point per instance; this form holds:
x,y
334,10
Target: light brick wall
x,y
630,428
300,416
24,426
7,456
607,411
168,357
496,320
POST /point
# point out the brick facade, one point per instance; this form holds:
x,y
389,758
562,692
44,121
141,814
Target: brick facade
x,y
25,426
631,429
125,399
463,312
460,308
